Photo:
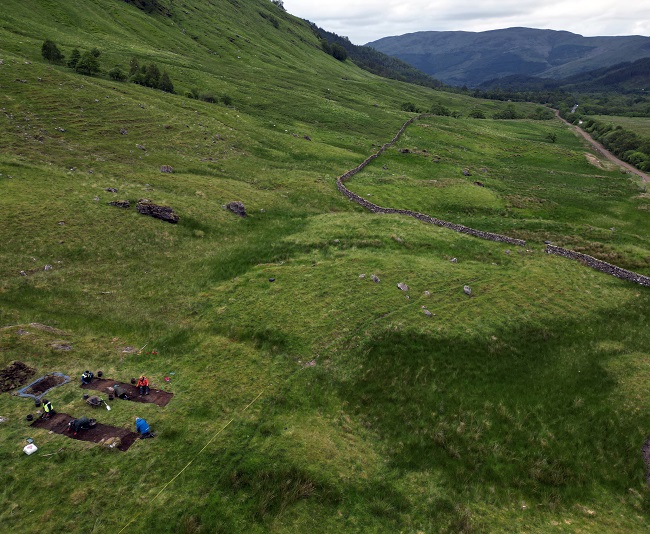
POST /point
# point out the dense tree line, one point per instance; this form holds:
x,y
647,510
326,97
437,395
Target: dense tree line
x,y
374,61
623,143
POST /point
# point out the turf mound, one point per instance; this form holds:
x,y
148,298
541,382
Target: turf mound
x,y
58,424
156,396
15,375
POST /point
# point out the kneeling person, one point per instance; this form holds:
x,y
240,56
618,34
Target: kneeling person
x,y
143,428
83,423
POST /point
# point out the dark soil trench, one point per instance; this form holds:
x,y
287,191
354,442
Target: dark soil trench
x,y
58,424
156,396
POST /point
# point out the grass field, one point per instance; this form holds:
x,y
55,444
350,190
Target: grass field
x,y
638,125
321,400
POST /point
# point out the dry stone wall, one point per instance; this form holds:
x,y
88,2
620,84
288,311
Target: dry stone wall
x,y
420,216
590,261
599,265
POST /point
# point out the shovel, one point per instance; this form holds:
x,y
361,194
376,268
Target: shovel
x,y
107,406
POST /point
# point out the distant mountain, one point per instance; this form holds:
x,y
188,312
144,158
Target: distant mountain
x,y
624,77
470,58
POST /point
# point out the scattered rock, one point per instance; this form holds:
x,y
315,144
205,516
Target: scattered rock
x,y
467,290
23,273
271,279
61,345
454,260
547,242
96,199
166,168
237,208
3,419
128,350
47,328
111,190
375,278
48,267
140,147
404,150
508,251
307,138
466,172
111,443
403,286
362,276
120,204
427,293
164,213
123,131
61,223
427,313
480,184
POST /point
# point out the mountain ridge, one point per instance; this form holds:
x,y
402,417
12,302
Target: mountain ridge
x,y
471,58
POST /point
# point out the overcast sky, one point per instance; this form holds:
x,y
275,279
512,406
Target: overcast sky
x,y
363,21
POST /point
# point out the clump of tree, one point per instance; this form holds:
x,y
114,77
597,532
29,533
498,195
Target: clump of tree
x,y
335,50
476,114
439,109
209,97
150,76
279,3
510,113
410,107
51,52
86,63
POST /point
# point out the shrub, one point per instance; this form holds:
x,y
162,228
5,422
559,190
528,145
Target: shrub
x,y
476,114
551,136
117,74
51,52
410,107
227,100
439,109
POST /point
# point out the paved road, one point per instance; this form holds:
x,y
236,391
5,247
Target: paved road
x,y
604,152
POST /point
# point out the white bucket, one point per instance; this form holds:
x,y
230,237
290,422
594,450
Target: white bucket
x,y
30,449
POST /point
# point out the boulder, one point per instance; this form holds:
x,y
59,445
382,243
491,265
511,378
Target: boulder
x,y
237,208
164,213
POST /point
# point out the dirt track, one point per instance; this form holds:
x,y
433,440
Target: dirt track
x,y
604,152
58,424
156,396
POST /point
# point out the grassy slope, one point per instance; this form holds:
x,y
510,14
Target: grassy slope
x,y
523,407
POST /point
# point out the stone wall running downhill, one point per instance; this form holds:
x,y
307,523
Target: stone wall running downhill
x,y
420,216
599,265
550,249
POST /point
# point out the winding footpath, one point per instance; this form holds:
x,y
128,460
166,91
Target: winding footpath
x,y
603,151
590,261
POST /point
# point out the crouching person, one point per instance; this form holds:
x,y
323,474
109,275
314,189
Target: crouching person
x,y
48,409
86,377
76,425
142,427
120,392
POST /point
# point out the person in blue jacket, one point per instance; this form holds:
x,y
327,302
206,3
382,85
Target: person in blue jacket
x,y
142,427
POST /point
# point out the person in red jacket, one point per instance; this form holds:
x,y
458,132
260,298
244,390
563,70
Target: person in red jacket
x,y
143,385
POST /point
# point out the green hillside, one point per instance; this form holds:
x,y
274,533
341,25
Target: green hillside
x,y
307,396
